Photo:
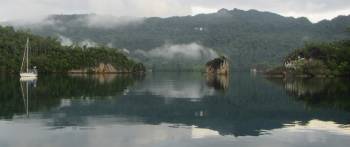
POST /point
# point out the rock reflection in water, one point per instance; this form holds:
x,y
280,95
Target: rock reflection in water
x,y
218,82
101,78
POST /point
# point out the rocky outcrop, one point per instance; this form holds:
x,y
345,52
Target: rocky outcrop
x,y
101,68
109,68
104,68
218,66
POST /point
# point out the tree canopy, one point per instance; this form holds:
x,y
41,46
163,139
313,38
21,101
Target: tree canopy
x,y
49,55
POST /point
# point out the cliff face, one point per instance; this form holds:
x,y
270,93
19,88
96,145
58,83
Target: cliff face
x,y
218,66
104,68
101,68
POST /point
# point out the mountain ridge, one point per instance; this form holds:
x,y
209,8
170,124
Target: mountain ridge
x,y
249,38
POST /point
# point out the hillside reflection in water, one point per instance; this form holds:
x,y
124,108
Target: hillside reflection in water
x,y
174,109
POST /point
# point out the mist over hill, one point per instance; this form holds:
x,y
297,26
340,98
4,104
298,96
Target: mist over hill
x,y
249,38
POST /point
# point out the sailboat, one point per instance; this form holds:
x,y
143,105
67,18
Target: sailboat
x,y
26,73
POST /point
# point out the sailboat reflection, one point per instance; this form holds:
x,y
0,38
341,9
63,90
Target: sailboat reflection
x,y
25,86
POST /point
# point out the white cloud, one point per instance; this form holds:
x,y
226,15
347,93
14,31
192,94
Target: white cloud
x,y
315,10
65,41
189,51
139,8
199,10
38,9
320,16
88,43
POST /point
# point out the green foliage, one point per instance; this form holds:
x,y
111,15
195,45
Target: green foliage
x,y
49,56
315,67
323,59
139,67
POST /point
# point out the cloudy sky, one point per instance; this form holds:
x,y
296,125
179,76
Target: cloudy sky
x,y
315,10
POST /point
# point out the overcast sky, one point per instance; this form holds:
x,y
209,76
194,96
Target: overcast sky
x,y
315,10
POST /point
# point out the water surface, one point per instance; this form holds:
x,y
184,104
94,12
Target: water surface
x,y
173,109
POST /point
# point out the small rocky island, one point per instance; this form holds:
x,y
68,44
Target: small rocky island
x,y
218,66
217,73
316,60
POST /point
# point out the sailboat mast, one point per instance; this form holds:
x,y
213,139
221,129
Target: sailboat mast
x,y
27,48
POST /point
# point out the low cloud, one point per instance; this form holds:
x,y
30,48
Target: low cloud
x,y
65,41
126,51
87,43
192,51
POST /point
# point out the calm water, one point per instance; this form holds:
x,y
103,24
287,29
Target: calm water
x,y
172,110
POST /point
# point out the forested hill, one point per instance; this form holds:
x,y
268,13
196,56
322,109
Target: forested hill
x,y
50,56
248,38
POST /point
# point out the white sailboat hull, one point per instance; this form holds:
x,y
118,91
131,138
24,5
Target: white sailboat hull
x,y
28,79
28,76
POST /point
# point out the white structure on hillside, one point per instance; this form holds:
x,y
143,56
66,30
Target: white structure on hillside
x,y
292,64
